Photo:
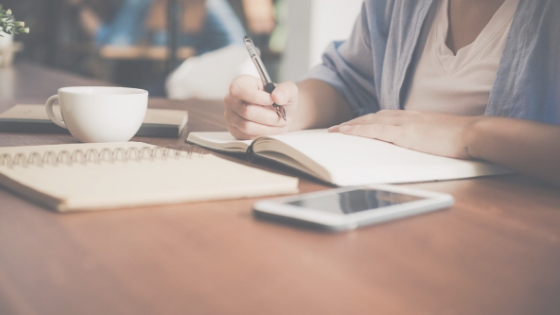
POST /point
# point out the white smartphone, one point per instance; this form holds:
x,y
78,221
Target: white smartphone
x,y
349,208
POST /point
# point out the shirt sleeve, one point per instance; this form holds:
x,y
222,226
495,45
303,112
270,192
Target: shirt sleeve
x,y
348,67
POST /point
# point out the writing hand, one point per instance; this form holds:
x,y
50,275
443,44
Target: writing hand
x,y
249,112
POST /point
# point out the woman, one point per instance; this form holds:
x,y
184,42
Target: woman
x,y
459,78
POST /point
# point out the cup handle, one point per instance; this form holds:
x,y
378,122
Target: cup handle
x,y
50,112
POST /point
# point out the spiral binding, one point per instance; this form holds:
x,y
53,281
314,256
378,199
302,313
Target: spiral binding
x,y
96,156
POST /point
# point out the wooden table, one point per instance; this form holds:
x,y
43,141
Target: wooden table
x,y
496,251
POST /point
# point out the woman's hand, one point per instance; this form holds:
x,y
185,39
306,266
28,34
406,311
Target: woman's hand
x,y
249,112
441,134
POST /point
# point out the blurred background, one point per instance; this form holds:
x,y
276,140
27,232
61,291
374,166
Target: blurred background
x,y
179,48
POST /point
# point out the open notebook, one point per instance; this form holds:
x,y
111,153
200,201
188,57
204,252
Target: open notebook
x,y
125,174
346,160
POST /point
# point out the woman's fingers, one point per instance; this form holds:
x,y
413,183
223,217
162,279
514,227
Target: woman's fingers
x,y
247,129
238,134
250,90
285,94
249,111
264,115
387,133
368,120
393,117
432,133
383,117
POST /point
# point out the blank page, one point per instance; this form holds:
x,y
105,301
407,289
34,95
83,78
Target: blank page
x,y
352,160
222,141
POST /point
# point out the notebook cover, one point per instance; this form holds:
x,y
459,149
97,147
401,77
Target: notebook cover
x,y
97,176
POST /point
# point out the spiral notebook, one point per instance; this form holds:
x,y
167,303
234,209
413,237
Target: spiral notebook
x,y
72,177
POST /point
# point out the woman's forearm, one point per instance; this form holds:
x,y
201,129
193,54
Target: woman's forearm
x,y
319,106
527,147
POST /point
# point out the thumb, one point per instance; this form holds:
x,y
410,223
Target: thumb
x,y
285,93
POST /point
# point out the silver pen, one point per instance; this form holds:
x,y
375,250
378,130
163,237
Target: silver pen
x,y
268,85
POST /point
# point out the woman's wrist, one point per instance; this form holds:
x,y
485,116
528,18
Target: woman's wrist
x,y
320,106
474,135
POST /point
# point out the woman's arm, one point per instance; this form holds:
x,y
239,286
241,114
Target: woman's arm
x,y
527,147
320,106
343,84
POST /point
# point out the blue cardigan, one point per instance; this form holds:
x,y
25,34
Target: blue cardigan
x,y
370,68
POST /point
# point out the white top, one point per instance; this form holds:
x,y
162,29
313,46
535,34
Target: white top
x,y
459,84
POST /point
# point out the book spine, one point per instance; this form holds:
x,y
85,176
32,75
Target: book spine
x,y
250,153
158,130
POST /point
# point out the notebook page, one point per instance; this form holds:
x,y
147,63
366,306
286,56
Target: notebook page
x,y
125,184
352,160
222,141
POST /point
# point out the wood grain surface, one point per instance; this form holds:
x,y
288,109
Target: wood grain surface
x,y
496,251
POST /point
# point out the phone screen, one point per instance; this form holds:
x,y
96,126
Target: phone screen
x,y
354,201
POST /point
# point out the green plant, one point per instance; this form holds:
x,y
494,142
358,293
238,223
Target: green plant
x,y
9,25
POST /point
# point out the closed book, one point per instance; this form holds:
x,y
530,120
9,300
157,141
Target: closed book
x,y
33,118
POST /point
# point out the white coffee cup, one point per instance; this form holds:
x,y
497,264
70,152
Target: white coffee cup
x,y
99,114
